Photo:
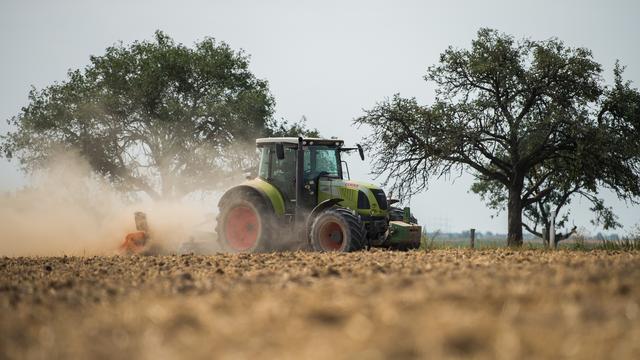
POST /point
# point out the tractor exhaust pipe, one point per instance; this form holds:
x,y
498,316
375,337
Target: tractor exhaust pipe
x,y
299,181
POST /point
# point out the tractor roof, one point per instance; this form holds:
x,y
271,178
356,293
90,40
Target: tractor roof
x,y
294,140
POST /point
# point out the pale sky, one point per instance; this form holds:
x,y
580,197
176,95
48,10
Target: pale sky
x,y
326,60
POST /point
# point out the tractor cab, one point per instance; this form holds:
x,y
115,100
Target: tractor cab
x,y
321,160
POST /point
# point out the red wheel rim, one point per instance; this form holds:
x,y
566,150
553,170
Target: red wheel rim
x,y
242,228
331,236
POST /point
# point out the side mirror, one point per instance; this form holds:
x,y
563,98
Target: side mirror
x,y
360,151
279,151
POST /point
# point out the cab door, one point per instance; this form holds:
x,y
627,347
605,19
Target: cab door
x,y
282,174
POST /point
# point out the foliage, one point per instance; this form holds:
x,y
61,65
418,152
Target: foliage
x,y
154,116
531,120
286,129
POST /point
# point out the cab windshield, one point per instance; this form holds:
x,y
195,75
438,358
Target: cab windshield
x,y
322,161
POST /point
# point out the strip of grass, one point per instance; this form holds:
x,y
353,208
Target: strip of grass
x,y
624,244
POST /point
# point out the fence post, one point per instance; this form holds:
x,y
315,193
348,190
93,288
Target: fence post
x,y
552,230
473,238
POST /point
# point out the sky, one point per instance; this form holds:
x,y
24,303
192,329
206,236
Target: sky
x,y
326,60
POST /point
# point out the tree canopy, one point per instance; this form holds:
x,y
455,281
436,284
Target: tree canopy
x,y
532,121
154,116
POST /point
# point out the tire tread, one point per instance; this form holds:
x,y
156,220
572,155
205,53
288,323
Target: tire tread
x,y
358,233
262,210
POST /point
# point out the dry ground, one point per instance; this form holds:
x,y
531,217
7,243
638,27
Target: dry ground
x,y
442,303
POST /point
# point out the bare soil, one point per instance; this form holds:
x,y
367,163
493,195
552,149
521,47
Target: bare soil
x,y
366,305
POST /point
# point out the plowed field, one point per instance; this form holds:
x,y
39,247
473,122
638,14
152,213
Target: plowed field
x,y
366,305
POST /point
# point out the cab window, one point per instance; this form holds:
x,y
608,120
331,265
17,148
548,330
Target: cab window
x,y
263,170
321,160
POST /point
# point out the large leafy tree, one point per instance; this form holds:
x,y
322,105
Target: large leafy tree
x,y
532,121
154,116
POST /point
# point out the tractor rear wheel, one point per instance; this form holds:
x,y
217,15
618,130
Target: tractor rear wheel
x,y
244,224
338,229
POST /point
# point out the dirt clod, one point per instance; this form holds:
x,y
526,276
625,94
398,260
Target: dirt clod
x,y
186,276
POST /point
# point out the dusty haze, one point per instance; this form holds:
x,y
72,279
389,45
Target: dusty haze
x,y
67,210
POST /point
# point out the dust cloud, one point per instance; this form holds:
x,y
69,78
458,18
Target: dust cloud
x,y
68,210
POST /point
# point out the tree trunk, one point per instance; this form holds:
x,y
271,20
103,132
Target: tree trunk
x,y
514,214
166,181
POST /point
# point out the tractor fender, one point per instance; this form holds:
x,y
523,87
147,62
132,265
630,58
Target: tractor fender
x,y
318,209
246,189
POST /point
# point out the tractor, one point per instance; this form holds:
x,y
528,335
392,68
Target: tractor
x,y
301,198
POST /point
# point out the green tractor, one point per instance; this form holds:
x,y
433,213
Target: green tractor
x,y
301,200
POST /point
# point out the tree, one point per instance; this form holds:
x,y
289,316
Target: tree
x,y
592,166
155,116
530,120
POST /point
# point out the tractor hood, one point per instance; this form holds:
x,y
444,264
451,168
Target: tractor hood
x,y
368,199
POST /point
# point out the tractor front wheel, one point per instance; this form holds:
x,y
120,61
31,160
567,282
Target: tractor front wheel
x,y
244,224
338,229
